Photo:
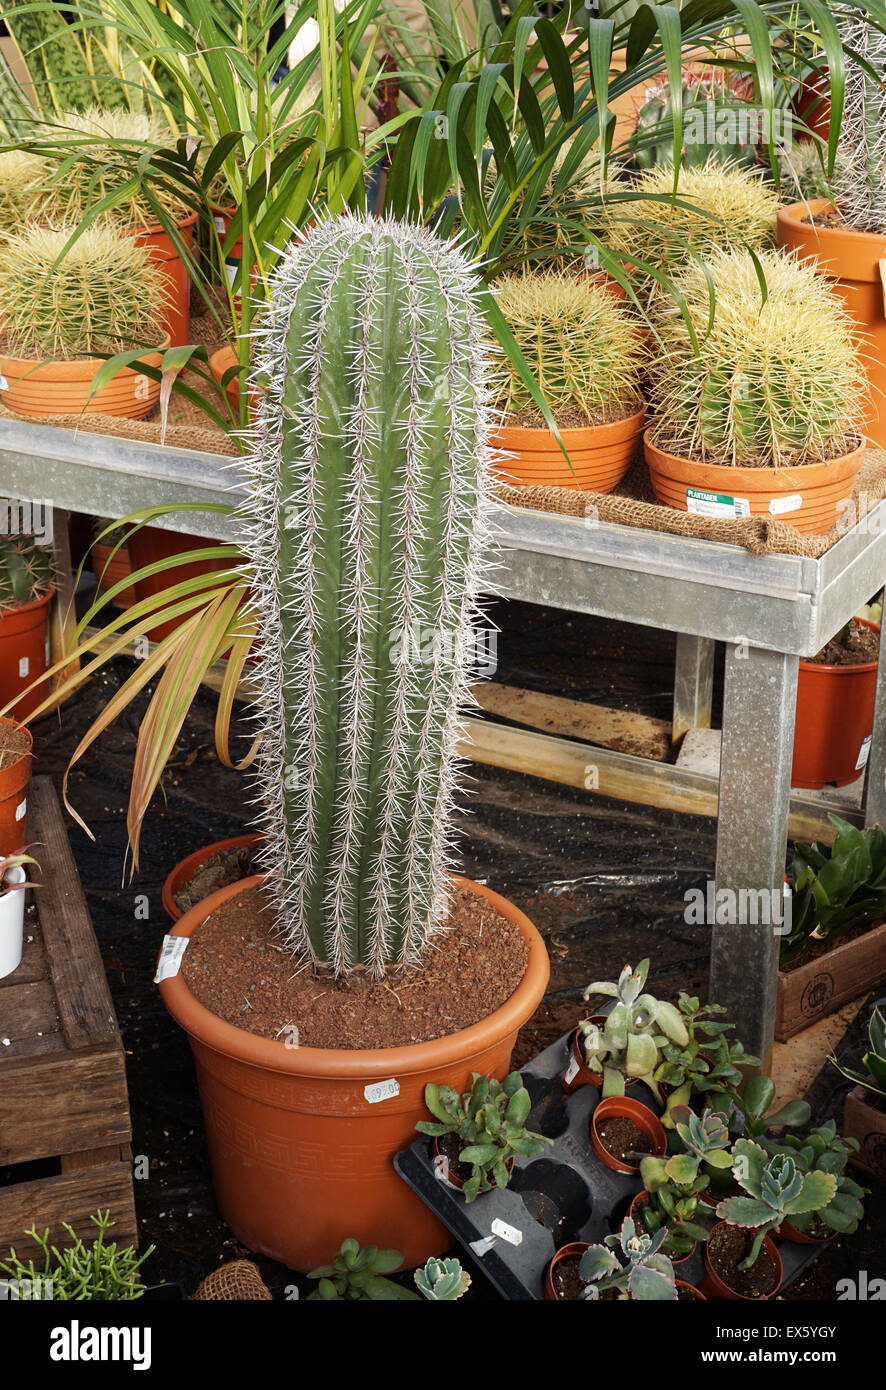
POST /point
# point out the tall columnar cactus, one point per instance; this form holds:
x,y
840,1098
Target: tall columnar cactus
x,y
859,182
26,571
370,470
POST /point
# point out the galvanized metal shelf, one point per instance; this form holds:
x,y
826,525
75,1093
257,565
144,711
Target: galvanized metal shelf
x,y
768,610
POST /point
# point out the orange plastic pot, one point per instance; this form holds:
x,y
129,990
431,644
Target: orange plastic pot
x,y
574,1250
788,1231
111,567
221,362
301,1156
623,1106
641,1200
714,1287
14,779
681,1284
851,261
185,869
834,722
177,319
38,389
578,1073
24,653
151,544
810,497
449,1174
600,455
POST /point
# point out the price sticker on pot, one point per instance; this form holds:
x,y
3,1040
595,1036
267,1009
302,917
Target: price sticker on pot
x,y
779,505
382,1090
24,666
21,809
171,953
864,754
4,384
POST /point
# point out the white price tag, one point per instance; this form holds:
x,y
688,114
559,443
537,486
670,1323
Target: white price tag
x,y
4,384
382,1090
508,1233
571,1070
864,754
24,666
778,505
21,809
171,953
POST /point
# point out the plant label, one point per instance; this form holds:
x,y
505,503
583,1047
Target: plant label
x,y
24,666
506,1232
716,504
21,809
382,1090
171,953
863,754
571,1070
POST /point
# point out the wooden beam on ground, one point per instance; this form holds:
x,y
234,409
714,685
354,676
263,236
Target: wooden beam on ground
x,y
618,729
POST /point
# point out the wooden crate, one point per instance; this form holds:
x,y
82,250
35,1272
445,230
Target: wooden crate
x,y
825,984
63,1090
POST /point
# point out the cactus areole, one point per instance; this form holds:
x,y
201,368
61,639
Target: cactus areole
x,y
370,467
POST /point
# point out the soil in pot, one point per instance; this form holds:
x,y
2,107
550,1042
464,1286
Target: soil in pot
x,y
224,867
687,1294
15,743
237,968
726,1247
450,1146
860,644
568,1285
623,1139
15,773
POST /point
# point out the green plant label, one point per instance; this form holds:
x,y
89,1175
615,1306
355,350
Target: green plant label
x,y
716,504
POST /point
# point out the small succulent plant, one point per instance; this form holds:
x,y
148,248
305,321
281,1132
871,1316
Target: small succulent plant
x,y
777,1190
490,1122
756,384
873,1078
636,1029
718,205
442,1281
750,1113
824,1150
675,1184
27,571
104,294
580,343
98,1272
358,1274
708,1062
639,1271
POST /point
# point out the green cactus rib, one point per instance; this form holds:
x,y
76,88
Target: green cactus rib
x,y
26,571
370,471
859,182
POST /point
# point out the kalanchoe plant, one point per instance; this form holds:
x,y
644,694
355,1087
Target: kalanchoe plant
x,y
97,1272
747,1112
489,1121
636,1029
442,1281
27,571
675,1184
359,1275
836,887
823,1150
777,1189
873,1078
708,1062
640,1271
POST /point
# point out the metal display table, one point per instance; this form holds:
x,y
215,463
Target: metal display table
x,y
768,610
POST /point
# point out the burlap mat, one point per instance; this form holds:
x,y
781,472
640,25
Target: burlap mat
x,y
237,1281
633,504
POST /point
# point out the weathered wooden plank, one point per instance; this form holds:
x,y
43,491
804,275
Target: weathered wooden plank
x,y
33,965
71,1198
27,1015
826,983
62,1103
84,1001
618,729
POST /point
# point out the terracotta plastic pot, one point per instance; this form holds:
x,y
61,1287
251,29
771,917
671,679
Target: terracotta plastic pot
x,y
38,389
109,569
24,653
151,544
222,217
681,1284
641,1200
623,1106
600,455
219,363
851,261
301,1157
834,722
14,779
575,1249
454,1179
578,1073
178,282
714,1286
810,497
186,868
787,1231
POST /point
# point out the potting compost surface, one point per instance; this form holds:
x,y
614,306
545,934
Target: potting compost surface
x,y
236,966
604,882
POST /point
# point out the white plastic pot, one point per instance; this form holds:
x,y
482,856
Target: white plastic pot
x,y
12,918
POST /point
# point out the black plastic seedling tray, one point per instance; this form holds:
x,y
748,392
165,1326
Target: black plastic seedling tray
x,y
564,1194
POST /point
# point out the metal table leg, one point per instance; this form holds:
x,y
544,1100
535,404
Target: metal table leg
x,y
693,685
752,831
875,782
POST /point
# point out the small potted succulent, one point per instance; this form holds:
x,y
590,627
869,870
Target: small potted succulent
x,y
673,1185
13,881
628,1265
359,1275
586,354
64,308
708,1062
626,1045
27,586
758,405
93,1273
477,1135
864,1119
741,1260
442,1281
822,1150
836,947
